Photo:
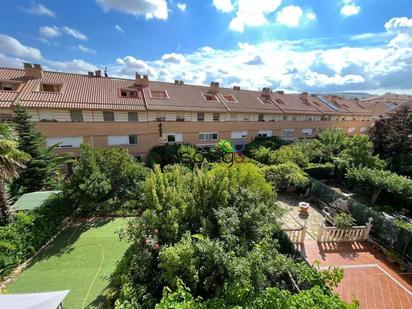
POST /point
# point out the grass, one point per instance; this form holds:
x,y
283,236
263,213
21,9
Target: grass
x,y
80,260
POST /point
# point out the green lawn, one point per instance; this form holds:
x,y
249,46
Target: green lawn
x,y
80,260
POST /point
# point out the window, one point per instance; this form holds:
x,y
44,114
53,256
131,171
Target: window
x,y
127,93
9,86
261,117
238,134
108,116
307,131
288,133
133,139
158,94
229,98
233,117
265,133
208,136
64,142
132,117
50,87
76,116
209,97
6,116
46,116
294,118
173,137
180,117
200,116
285,118
216,116
246,117
160,117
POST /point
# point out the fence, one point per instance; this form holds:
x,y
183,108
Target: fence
x,y
297,235
384,231
334,234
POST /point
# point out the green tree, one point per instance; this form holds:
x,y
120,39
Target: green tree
x,y
333,141
285,176
392,141
44,168
11,160
358,152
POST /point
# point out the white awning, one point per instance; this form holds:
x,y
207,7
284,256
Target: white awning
x,y
48,300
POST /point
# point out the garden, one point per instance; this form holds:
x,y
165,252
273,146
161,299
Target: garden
x,y
197,235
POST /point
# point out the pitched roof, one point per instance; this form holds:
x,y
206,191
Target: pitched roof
x,y
103,93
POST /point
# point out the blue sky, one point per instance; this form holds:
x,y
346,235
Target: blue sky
x,y
316,46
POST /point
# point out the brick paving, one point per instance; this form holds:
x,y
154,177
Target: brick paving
x,y
368,276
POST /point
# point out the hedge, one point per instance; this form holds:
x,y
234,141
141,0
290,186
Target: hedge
x,y
320,170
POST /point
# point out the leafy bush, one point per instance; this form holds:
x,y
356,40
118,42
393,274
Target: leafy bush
x,y
375,181
269,298
289,153
333,141
343,220
320,170
30,231
214,228
358,152
285,176
271,143
104,178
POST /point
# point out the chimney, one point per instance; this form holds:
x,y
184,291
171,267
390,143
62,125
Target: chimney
x,y
266,92
177,81
214,87
280,92
181,82
98,73
90,74
142,81
33,71
334,99
236,87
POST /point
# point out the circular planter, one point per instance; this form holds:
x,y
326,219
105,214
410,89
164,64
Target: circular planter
x,y
304,208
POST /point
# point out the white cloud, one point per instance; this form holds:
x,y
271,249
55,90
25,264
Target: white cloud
x,y
311,16
173,58
71,66
53,31
84,49
181,6
9,46
130,65
148,8
39,9
118,28
252,13
223,5
399,24
290,16
349,8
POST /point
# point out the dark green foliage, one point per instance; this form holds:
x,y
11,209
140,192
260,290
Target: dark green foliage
x,y
215,229
391,138
286,176
104,179
272,143
343,220
29,231
269,298
43,170
374,182
320,170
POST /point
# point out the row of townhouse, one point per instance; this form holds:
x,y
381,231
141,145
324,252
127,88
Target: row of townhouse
x,y
139,114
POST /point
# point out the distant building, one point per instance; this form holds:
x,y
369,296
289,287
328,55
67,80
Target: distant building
x,y
139,113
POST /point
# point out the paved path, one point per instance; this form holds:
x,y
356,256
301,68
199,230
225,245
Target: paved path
x,y
368,276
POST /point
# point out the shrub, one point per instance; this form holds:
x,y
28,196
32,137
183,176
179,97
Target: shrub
x,y
104,178
30,231
271,143
333,141
285,176
375,181
289,153
168,154
343,220
320,170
